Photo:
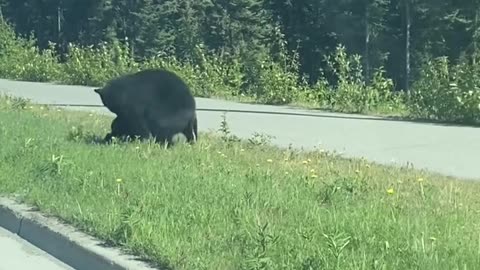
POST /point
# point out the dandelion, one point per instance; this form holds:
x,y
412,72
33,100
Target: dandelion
x,y
286,173
269,160
119,180
242,150
305,162
312,170
390,191
420,179
357,171
313,176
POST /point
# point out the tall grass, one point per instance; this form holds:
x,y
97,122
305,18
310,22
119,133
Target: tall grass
x,y
227,204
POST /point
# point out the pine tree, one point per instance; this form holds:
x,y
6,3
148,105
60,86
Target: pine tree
x,y
237,25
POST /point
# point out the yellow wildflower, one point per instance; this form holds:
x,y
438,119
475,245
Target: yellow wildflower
x,y
390,191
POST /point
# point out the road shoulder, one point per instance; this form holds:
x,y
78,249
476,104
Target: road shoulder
x,y
62,241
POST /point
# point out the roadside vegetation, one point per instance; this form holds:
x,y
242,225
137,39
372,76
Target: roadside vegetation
x,y
443,92
226,203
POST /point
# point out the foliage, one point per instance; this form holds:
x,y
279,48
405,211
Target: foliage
x,y
448,92
95,65
443,91
352,93
21,59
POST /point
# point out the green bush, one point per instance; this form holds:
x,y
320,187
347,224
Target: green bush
x,y
352,93
20,59
95,66
447,92
443,91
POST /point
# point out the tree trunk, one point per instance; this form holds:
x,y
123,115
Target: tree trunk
x,y
367,44
407,44
475,37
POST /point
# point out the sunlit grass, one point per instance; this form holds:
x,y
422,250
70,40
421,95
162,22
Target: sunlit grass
x,y
224,204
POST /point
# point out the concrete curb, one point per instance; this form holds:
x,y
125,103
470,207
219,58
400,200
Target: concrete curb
x,y
64,242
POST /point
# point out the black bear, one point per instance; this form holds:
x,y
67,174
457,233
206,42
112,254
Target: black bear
x,y
121,130
152,102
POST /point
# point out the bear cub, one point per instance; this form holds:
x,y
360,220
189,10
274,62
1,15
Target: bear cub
x,y
150,103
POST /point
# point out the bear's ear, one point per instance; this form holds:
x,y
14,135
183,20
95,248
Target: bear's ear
x,y
97,90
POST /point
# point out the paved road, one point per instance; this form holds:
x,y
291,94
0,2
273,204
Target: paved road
x,y
18,254
446,149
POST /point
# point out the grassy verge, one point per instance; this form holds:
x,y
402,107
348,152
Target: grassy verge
x,y
224,204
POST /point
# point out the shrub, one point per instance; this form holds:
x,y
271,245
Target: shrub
x,y
443,91
447,92
352,92
20,59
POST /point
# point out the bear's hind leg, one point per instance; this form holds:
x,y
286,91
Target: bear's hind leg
x,y
191,131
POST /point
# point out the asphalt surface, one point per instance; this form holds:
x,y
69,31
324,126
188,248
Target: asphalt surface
x,y
18,254
450,150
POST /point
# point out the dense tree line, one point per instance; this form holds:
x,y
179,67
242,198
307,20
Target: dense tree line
x,y
396,34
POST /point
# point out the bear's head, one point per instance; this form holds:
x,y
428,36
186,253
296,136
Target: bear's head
x,y
108,100
102,95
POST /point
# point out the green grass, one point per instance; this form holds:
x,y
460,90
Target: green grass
x,y
224,204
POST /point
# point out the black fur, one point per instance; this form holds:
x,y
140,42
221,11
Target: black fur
x,y
120,130
148,103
